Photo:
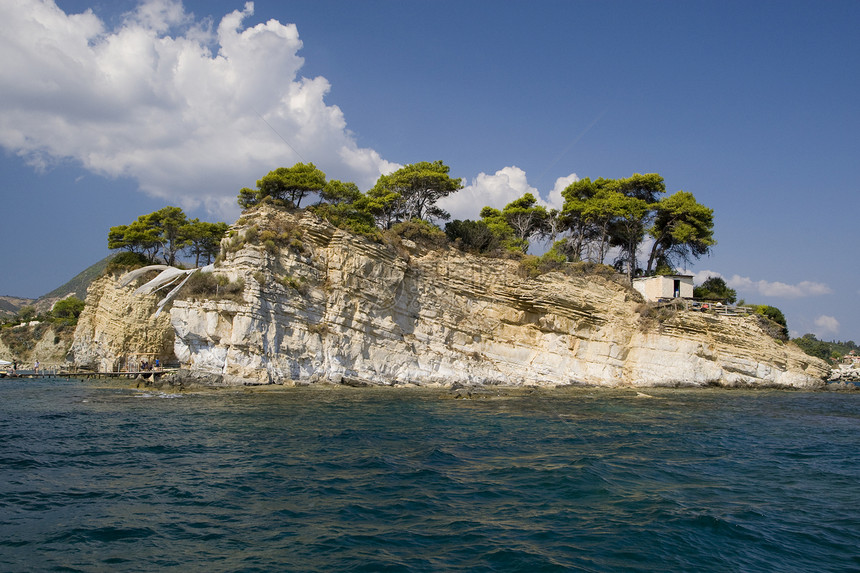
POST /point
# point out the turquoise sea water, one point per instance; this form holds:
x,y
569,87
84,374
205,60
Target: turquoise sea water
x,y
97,477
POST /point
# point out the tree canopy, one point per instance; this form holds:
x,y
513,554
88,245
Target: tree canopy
x,y
526,218
167,232
170,224
599,217
140,237
683,229
288,184
337,192
412,191
409,193
474,236
715,288
831,351
514,226
620,213
68,309
606,213
204,239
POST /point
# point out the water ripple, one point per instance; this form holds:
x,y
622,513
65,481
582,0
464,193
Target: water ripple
x,y
383,480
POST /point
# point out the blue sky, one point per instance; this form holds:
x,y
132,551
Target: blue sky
x,y
752,107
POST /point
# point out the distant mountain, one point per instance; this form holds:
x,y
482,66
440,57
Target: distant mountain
x,y
10,305
77,286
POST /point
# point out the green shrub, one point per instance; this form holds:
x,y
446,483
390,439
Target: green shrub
x,y
814,347
652,315
299,285
26,313
68,310
347,217
551,260
212,286
22,339
232,289
586,268
421,232
472,236
774,315
231,246
204,285
126,261
715,288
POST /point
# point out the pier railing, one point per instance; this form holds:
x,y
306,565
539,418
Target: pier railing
x,y
701,305
89,374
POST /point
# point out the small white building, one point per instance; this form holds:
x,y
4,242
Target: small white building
x,y
664,286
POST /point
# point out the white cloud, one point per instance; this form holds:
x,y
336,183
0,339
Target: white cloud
x,y
779,289
556,201
499,189
826,325
192,114
767,288
496,190
701,276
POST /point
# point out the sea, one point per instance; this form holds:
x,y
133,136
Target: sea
x,y
98,476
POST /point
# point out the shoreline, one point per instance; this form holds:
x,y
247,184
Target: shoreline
x,y
168,384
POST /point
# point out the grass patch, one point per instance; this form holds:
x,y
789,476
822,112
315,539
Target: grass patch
x,y
298,284
214,286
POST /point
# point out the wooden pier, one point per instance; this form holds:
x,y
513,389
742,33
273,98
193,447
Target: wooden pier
x,y
89,375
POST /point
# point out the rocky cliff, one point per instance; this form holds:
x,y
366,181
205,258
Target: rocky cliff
x,y
845,373
118,328
42,341
319,304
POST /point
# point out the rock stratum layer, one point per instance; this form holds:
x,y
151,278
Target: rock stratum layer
x,y
328,306
117,327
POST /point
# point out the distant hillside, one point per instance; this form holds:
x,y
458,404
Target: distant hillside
x,y
831,351
77,286
9,305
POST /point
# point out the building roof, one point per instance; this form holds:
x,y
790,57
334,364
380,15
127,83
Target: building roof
x,y
663,277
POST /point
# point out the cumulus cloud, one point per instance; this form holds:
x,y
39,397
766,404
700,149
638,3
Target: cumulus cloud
x,y
556,201
826,325
192,111
499,189
768,288
779,289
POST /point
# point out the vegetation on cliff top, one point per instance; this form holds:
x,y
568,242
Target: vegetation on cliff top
x,y
831,351
21,333
716,289
166,233
599,218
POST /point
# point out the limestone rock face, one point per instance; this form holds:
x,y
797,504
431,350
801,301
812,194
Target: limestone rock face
x,y
331,306
46,343
116,326
846,373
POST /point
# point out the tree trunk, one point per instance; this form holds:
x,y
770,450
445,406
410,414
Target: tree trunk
x,y
652,257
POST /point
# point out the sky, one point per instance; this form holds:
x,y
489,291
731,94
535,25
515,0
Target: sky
x,y
111,109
